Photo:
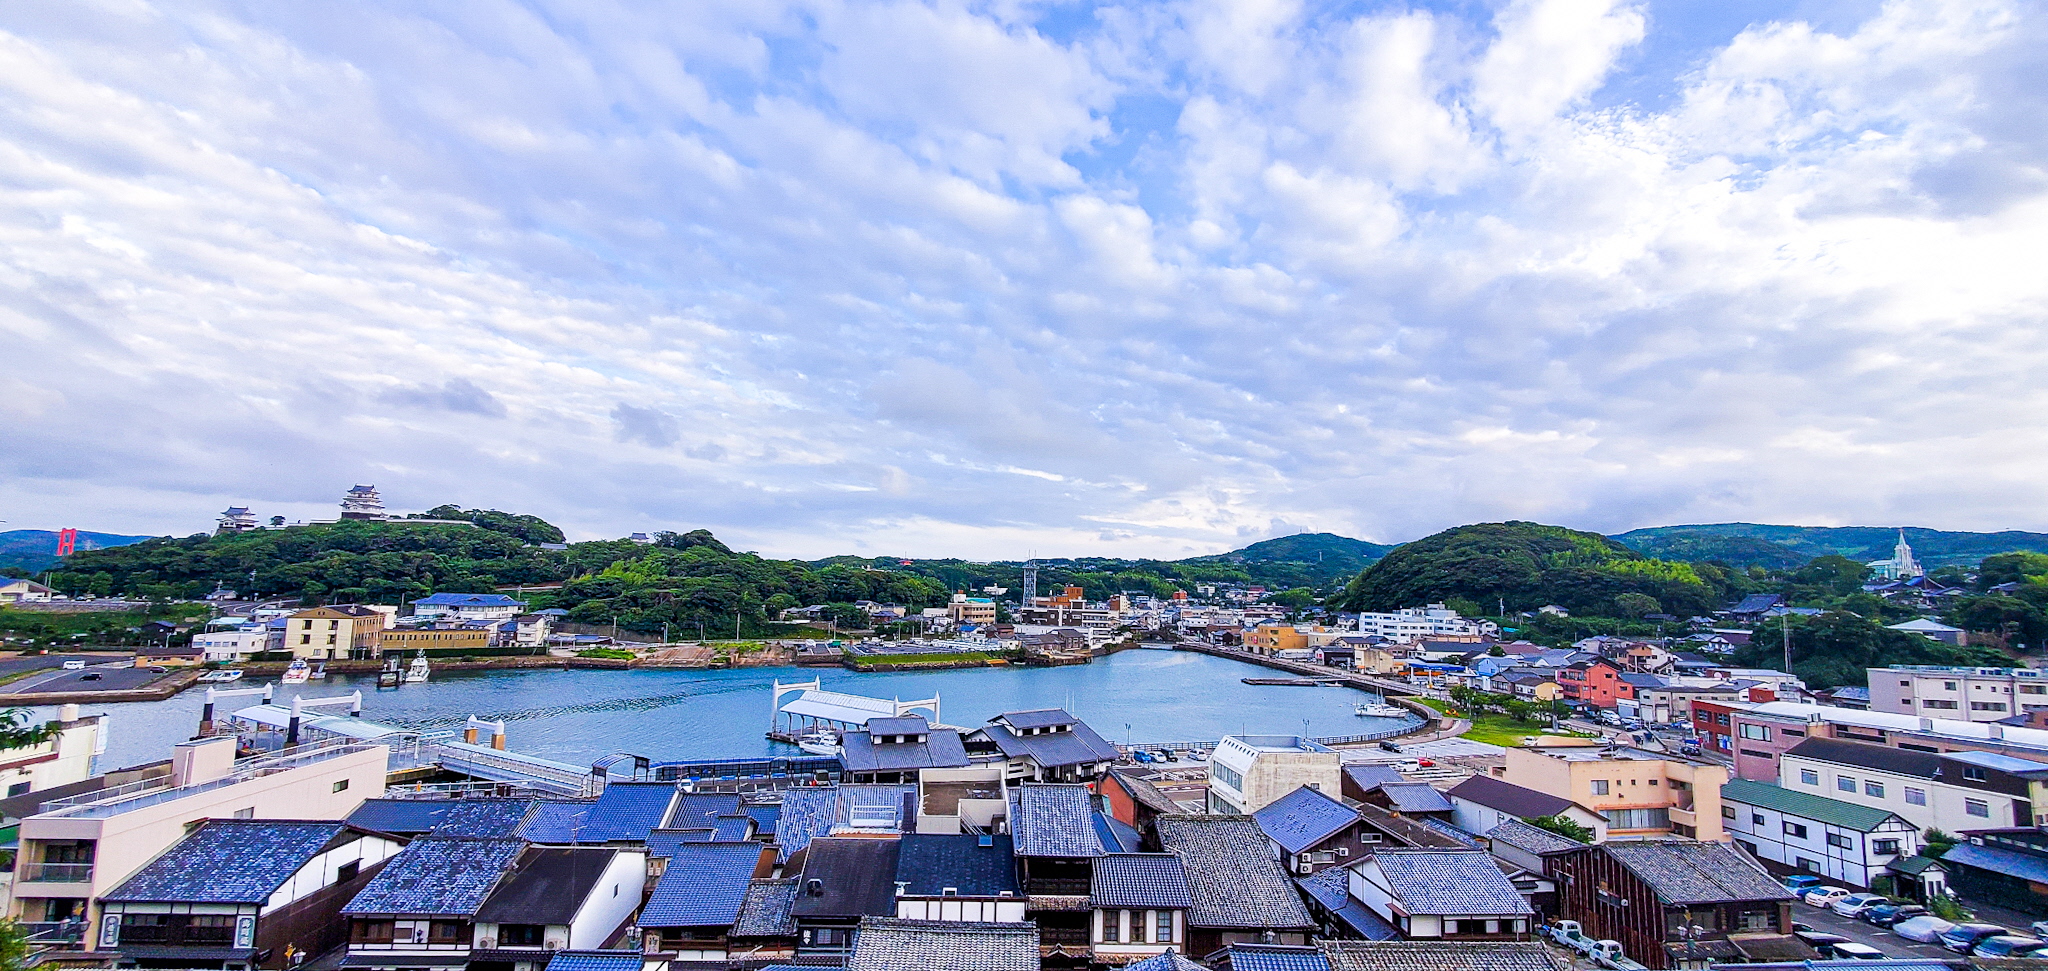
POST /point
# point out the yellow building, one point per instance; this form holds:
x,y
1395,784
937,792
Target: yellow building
x,y
1641,793
408,641
968,610
1273,638
338,631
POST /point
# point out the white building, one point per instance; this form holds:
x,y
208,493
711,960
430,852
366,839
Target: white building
x,y
1417,623
1248,771
1839,841
1969,694
13,591
1953,792
1902,565
467,606
232,645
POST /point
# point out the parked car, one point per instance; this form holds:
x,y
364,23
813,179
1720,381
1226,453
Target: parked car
x,y
1962,937
1857,903
2039,927
1690,746
1925,928
1852,951
1390,746
158,669
91,676
1799,884
2007,946
1823,896
1885,915
74,665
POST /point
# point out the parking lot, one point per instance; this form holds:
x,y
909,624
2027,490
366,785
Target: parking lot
x,y
115,674
1826,921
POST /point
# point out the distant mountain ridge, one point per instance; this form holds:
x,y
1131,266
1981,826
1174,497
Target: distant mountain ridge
x,y
31,550
1744,544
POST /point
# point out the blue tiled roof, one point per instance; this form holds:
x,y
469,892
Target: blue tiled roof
x,y
732,828
1370,777
556,822
628,810
229,861
1116,835
941,749
468,600
663,843
1140,881
484,819
698,809
1449,882
1331,888
704,886
405,817
1996,860
810,812
928,864
1303,818
765,817
1446,829
1054,820
595,961
437,875
1277,957
1170,961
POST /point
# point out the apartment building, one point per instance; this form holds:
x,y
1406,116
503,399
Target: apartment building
x,y
1955,792
1641,793
1969,694
1417,623
78,849
1246,772
338,631
61,759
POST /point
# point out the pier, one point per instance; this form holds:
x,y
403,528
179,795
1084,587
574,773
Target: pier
x,y
816,708
1350,679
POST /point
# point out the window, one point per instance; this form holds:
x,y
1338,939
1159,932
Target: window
x,y
308,626
1226,775
1838,841
348,871
1796,830
1977,807
2033,689
1756,819
1727,811
1753,921
1760,733
1987,706
1884,847
1599,787
1809,777
1721,719
1794,732
1916,797
1368,837
1162,931
341,785
444,931
1938,703
1845,783
1873,788
1948,686
1753,753
305,638
370,932
1110,926
334,625
1659,818
520,935
1973,773
1450,927
1810,866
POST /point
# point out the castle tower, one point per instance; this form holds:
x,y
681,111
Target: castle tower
x,y
236,519
362,502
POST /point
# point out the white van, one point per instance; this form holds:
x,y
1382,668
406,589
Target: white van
x,y
74,665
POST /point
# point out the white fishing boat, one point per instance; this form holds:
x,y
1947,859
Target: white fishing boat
x,y
1379,709
418,671
297,672
819,741
222,676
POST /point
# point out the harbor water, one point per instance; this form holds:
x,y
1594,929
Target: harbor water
x,y
579,715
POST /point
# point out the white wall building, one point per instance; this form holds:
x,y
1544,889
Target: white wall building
x,y
1968,694
1954,792
231,645
1416,623
1248,771
1839,841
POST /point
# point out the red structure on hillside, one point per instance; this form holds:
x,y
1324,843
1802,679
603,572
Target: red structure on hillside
x,y
67,541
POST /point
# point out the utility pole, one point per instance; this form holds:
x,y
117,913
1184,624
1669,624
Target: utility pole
x,y
1785,625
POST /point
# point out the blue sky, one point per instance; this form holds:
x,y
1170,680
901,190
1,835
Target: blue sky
x,y
981,279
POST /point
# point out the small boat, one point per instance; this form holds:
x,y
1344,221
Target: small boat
x,y
319,672
819,741
222,676
297,672
418,671
1379,709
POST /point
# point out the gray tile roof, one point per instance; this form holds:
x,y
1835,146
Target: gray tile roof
x,y
906,725
1869,756
891,944
1997,860
626,811
766,911
704,886
929,864
940,749
1416,797
437,875
1170,961
555,822
1076,746
1037,718
548,886
1451,883
229,861
855,876
811,812
1303,818
1370,777
694,810
1140,881
1441,956
484,819
1523,836
1232,875
1054,820
403,817
1696,873
1331,887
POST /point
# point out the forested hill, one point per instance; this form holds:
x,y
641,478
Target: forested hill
x,y
1315,562
1529,565
1746,544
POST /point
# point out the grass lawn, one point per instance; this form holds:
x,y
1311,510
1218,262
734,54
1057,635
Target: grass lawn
x,y
1498,729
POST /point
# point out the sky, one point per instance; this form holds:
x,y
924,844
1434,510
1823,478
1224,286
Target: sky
x,y
1015,277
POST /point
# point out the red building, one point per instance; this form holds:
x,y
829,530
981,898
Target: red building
x,y
1597,683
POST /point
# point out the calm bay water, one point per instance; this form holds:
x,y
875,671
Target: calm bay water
x,y
576,716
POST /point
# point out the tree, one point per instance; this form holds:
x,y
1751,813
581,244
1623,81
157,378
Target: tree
x,y
14,946
1636,605
17,731
1566,828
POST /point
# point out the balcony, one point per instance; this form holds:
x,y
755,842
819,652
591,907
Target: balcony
x,y
1684,817
53,873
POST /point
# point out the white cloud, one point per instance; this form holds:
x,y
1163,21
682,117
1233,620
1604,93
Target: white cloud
x,y
960,279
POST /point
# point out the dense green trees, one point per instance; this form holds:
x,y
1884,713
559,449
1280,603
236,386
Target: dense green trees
x,y
1837,648
1528,565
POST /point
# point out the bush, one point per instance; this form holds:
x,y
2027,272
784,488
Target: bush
x,y
607,653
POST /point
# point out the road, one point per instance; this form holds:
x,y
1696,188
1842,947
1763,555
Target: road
x,y
1891,944
114,675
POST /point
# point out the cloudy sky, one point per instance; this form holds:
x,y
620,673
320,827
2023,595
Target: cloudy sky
x,y
989,278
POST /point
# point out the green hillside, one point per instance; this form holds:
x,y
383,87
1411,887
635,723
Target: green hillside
x,y
1528,565
1933,547
35,550
1317,561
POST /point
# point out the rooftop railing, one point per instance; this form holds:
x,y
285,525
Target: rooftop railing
x,y
123,799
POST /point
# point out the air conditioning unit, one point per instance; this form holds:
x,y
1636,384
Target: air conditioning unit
x,y
488,944
1304,867
1343,851
1305,857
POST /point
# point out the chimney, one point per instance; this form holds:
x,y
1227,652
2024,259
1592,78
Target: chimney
x,y
202,760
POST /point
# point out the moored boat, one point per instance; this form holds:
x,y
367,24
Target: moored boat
x,y
819,741
417,672
297,672
222,676
1379,709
